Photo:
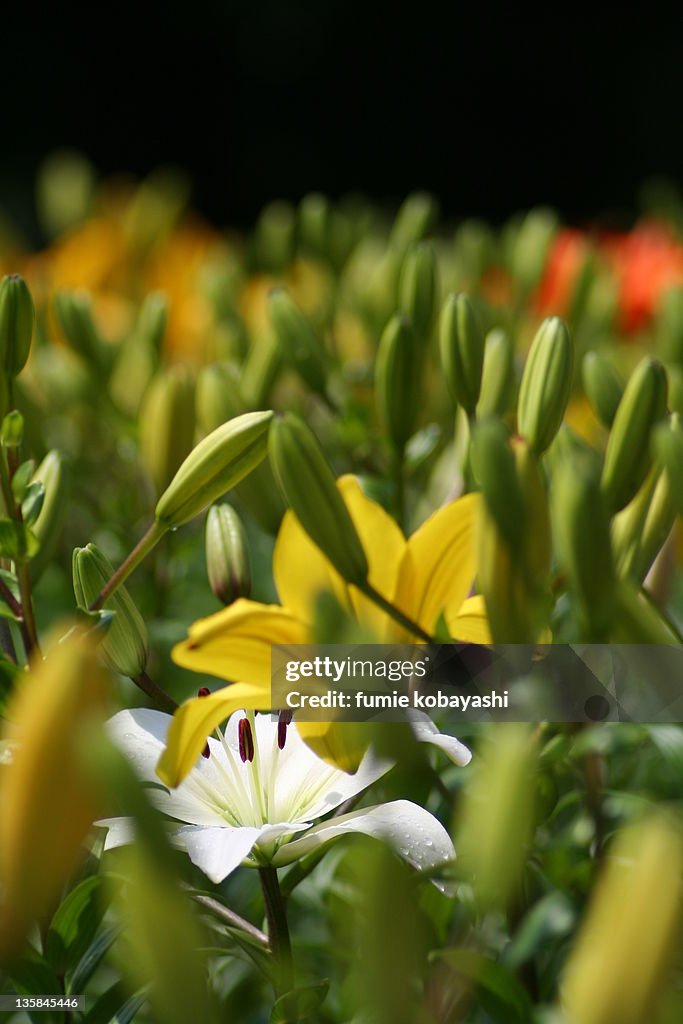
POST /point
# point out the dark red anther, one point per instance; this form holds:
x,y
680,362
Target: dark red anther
x,y
246,740
283,720
204,691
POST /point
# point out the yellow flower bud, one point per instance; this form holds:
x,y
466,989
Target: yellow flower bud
x,y
214,467
309,487
546,383
167,423
47,801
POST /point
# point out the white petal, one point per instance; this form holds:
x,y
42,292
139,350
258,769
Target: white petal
x,y
201,798
410,830
425,731
121,831
218,851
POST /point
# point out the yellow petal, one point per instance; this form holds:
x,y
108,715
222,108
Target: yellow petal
x,y
235,643
341,744
196,719
438,568
384,545
468,623
302,572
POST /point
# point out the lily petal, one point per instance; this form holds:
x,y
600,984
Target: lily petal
x,y
438,567
467,621
425,731
218,851
411,831
120,831
302,572
196,719
235,642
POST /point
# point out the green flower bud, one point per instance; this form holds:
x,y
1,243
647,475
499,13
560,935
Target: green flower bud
x,y
124,645
537,545
218,396
415,219
397,373
17,318
309,487
640,529
214,467
274,236
166,425
495,472
670,326
227,554
509,607
417,289
667,443
603,387
674,375
546,383
261,369
462,351
152,320
582,537
52,474
298,342
73,311
627,458
315,217
498,374
530,247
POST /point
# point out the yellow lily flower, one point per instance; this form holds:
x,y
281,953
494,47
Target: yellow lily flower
x,y
428,575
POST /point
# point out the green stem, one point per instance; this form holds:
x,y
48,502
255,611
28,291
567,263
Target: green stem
x,y
28,622
230,918
400,489
139,552
155,693
396,614
278,929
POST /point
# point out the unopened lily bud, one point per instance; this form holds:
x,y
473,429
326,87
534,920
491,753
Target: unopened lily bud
x,y
214,467
622,973
546,383
495,471
537,539
17,317
152,320
218,396
298,342
415,219
47,800
124,645
397,381
227,554
314,216
667,443
603,387
462,351
309,487
670,326
627,458
51,473
640,529
74,316
582,536
501,579
274,236
167,424
531,244
498,374
417,289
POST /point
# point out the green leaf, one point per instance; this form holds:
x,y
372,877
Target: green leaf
x,y
113,1007
500,994
299,1004
33,976
551,918
32,502
17,541
74,925
92,958
22,478
12,429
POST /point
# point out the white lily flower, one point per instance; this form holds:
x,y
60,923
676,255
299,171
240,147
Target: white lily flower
x,y
231,812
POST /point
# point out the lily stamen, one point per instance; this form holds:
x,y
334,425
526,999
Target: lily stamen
x,y
204,691
246,740
283,720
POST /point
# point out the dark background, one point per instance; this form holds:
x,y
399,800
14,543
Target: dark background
x,y
492,111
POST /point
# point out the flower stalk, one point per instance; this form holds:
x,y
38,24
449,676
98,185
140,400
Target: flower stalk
x,y
278,929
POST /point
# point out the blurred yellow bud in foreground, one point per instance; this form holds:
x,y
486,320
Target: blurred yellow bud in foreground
x,y
618,968
47,802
